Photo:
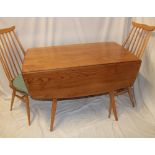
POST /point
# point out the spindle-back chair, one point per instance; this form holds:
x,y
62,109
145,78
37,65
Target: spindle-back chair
x,y
136,43
11,56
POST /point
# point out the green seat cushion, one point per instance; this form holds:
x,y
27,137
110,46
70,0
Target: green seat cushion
x,y
19,84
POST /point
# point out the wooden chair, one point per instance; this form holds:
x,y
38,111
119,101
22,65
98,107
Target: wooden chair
x,y
136,43
11,56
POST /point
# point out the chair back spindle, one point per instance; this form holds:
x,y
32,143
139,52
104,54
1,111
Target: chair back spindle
x,y
11,52
138,38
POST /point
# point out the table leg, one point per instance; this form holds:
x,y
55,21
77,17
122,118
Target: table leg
x,y
112,105
53,111
131,95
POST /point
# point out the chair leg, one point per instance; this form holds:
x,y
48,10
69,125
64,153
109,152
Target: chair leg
x,y
27,108
12,100
110,108
131,95
53,111
112,105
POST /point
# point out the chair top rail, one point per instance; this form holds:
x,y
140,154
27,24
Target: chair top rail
x,y
5,30
143,26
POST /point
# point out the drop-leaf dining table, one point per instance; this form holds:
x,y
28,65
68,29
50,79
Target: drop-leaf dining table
x,y
68,71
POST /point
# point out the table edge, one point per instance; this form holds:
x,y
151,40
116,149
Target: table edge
x,y
60,69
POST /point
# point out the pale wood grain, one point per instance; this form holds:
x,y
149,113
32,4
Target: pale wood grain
x,y
78,71
70,56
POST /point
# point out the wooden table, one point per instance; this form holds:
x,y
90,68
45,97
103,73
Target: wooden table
x,y
78,70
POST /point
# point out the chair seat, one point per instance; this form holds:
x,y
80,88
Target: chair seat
x,y
19,84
